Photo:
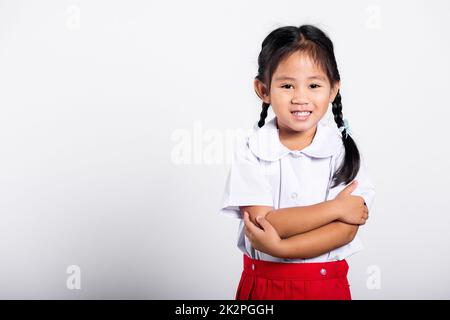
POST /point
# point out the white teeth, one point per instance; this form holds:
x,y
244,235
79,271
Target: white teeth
x,y
303,113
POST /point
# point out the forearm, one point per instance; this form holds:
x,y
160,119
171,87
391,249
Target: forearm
x,y
297,220
319,241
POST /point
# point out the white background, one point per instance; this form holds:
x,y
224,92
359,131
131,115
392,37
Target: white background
x,y
93,95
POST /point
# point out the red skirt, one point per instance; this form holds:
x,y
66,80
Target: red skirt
x,y
266,280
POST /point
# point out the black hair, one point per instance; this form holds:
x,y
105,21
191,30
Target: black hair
x,y
284,41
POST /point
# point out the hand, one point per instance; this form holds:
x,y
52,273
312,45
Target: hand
x,y
266,239
353,209
255,211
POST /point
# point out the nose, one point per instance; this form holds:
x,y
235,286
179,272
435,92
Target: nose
x,y
300,96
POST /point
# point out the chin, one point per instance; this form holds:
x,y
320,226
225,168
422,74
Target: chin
x,y
301,126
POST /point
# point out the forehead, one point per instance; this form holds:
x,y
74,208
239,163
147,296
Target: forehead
x,y
298,65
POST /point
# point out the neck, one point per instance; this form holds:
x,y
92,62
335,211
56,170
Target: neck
x,y
296,140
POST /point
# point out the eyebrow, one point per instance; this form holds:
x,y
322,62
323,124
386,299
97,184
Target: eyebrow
x,y
294,79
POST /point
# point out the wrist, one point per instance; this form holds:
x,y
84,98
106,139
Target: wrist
x,y
333,209
336,209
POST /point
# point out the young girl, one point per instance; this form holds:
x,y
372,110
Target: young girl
x,y
298,184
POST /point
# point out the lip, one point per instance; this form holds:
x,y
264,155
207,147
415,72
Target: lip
x,y
301,118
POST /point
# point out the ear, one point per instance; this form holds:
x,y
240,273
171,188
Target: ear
x,y
261,91
334,91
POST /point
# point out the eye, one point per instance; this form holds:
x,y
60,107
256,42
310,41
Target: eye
x,y
286,85
314,86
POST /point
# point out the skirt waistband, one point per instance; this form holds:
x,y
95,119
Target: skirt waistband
x,y
295,271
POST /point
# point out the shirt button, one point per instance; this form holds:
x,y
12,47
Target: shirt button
x,y
253,266
294,195
323,272
296,155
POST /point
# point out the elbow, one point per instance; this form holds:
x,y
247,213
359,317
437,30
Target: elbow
x,y
353,230
347,232
255,211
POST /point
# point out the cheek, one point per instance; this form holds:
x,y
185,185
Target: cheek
x,y
322,101
280,100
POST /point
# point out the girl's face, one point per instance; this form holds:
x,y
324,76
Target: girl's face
x,y
298,84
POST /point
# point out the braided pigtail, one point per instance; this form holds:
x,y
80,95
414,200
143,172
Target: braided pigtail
x,y
263,115
350,166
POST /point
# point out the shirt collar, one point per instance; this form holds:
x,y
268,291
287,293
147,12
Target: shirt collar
x,y
265,142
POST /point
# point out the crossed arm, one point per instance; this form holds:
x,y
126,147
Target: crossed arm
x,y
307,231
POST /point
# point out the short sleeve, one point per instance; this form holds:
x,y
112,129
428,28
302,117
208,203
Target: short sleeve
x,y
246,182
365,188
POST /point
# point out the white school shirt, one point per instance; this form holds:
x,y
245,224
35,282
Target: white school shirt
x,y
264,172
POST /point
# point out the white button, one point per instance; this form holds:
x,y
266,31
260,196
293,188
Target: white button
x,y
296,155
294,195
323,271
253,266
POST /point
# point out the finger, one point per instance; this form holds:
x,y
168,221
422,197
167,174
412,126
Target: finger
x,y
252,228
263,223
247,233
247,222
350,187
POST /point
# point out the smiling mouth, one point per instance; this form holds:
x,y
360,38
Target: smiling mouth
x,y
301,115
